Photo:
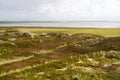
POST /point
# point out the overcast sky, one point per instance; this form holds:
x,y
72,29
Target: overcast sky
x,y
60,10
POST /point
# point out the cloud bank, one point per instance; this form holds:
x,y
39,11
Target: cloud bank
x,y
60,10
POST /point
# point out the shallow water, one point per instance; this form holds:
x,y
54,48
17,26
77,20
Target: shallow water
x,y
64,24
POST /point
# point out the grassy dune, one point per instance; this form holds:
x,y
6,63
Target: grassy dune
x,y
58,55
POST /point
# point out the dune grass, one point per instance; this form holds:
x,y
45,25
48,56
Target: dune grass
x,y
71,57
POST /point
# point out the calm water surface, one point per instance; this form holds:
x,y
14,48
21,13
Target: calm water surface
x,y
64,24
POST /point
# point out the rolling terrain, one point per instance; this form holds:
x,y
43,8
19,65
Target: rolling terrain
x,y
59,54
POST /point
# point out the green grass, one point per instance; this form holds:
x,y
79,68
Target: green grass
x,y
101,31
87,69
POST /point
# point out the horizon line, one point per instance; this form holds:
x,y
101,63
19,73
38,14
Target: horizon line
x,y
58,21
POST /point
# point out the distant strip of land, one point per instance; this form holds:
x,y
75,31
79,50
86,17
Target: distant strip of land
x,y
100,31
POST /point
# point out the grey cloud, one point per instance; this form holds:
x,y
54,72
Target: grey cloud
x,y
83,10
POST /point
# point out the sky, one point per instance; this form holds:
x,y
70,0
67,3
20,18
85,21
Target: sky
x,y
59,10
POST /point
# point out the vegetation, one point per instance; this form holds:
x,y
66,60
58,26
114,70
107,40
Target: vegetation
x,y
102,31
50,55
